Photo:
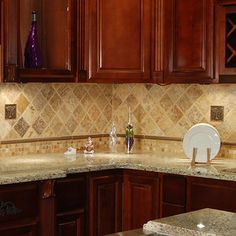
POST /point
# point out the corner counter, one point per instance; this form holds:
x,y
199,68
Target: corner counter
x,y
17,169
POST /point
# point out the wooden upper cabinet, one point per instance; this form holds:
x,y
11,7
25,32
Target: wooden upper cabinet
x,y
188,41
157,41
225,41
57,34
119,40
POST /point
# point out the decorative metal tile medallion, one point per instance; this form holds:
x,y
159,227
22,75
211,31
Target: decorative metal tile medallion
x,y
10,111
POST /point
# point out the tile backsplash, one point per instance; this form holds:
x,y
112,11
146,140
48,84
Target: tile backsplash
x,y
60,110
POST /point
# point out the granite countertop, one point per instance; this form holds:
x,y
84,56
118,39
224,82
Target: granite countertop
x,y
26,168
205,222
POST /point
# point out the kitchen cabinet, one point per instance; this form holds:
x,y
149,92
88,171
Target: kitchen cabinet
x,y
188,46
119,35
105,202
141,198
71,206
225,41
210,193
57,34
19,210
173,195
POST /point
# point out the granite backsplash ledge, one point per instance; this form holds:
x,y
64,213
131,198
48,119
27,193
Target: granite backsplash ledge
x,y
67,110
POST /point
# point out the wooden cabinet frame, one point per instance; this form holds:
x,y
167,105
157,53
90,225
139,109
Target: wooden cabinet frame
x,y
13,58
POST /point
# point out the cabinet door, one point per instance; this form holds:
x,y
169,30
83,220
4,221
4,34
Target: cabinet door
x,y
157,41
19,209
210,193
119,40
71,224
173,195
71,206
57,36
141,198
105,203
225,42
20,231
189,41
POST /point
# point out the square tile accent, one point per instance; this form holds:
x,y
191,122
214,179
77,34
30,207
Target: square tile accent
x,y
10,111
217,113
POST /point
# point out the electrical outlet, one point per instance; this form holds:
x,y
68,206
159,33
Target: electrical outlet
x,y
217,113
10,111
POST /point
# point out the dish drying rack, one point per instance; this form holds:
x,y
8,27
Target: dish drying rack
x,y
193,162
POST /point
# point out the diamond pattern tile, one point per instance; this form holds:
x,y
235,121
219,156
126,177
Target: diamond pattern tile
x,y
54,110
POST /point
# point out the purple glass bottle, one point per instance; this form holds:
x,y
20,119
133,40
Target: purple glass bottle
x,y
32,50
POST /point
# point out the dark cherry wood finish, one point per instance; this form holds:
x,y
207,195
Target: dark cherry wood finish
x,y
119,40
105,202
210,193
224,73
71,206
57,31
173,195
19,210
141,198
226,2
1,39
157,40
47,208
188,41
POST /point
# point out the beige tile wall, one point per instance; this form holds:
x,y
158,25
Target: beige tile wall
x,y
56,110
171,110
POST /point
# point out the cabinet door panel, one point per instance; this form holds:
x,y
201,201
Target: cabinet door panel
x,y
105,204
173,195
189,41
21,231
120,40
209,193
71,224
141,199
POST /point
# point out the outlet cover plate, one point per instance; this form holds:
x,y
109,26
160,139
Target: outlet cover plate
x,y
217,113
10,111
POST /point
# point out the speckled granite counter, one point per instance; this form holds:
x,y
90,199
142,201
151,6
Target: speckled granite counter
x,y
47,166
205,222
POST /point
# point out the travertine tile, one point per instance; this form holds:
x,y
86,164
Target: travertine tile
x,y
39,125
22,103
21,127
56,102
47,91
157,110
166,102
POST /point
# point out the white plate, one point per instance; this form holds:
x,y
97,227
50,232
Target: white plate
x,y
201,136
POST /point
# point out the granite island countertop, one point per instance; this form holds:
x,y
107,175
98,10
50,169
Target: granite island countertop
x,y
204,222
16,169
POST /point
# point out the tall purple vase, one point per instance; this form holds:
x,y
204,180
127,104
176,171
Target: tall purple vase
x,y
32,50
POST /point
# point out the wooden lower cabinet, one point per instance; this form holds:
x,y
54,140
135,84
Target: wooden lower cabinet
x,y
20,230
71,223
105,202
211,193
71,205
19,209
172,195
141,198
